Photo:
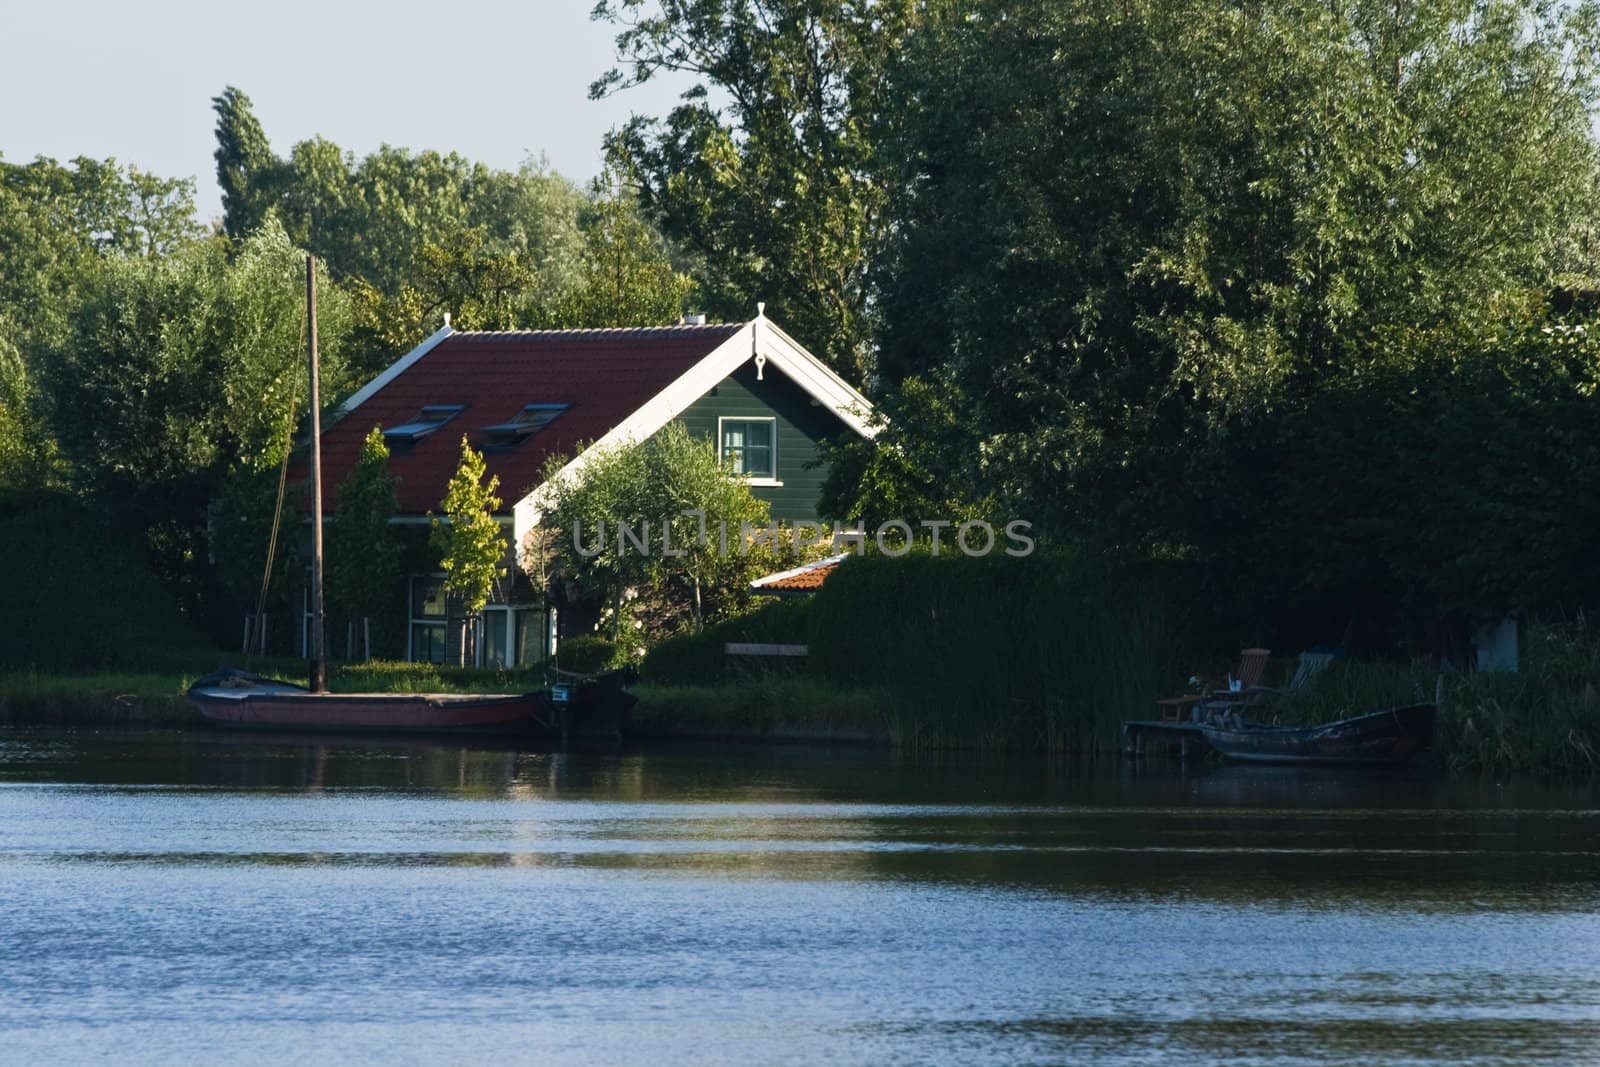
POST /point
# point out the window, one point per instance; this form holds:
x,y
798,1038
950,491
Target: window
x,y
749,444
496,624
527,422
427,620
428,420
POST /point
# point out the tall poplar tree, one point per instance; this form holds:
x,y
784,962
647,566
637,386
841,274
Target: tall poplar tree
x,y
247,170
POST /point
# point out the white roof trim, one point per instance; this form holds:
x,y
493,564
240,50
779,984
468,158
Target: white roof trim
x,y
759,335
760,583
395,369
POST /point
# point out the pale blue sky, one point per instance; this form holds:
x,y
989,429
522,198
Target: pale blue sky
x,y
496,80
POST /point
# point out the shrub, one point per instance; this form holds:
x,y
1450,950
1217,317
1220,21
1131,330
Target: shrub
x,y
1045,651
586,654
84,597
700,659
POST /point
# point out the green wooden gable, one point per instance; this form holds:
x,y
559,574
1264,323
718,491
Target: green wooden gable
x,y
800,423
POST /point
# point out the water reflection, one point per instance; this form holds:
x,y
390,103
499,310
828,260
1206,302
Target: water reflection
x,y
171,897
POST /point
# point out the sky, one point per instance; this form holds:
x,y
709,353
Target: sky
x,y
495,80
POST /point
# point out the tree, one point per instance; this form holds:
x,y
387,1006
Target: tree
x,y
178,372
471,545
247,170
363,551
775,188
1127,229
673,492
625,275
60,224
27,453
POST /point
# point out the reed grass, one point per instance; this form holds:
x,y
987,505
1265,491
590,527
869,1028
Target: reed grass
x,y
1039,653
772,707
1543,718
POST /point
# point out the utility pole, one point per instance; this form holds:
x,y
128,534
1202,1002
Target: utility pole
x,y
319,654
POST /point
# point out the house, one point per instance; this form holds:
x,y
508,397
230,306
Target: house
x,y
522,397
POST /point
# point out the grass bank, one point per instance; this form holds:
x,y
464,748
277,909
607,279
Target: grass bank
x,y
776,708
156,697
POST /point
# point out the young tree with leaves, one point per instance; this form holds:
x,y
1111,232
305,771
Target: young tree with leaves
x,y
671,479
471,545
363,552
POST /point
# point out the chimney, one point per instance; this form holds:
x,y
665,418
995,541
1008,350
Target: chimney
x,y
695,318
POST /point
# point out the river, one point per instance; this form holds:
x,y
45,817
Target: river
x,y
170,898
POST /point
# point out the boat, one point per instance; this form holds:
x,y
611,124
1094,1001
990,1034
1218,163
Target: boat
x,y
240,699
235,698
1394,735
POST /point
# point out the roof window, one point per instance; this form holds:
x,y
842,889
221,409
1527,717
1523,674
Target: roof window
x,y
431,418
530,420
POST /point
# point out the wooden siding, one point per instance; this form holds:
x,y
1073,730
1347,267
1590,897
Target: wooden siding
x,y
801,426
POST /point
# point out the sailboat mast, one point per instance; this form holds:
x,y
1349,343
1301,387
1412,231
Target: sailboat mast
x,y
319,659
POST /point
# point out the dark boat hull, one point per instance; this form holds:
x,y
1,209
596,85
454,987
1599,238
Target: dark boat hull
x,y
1392,736
246,702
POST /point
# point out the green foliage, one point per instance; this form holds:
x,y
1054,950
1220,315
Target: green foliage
x,y
1459,476
178,370
776,192
1543,718
471,545
625,275
781,708
1128,228
700,658
82,596
237,533
184,365
363,552
387,676
27,452
58,226
247,171
587,654
1038,653
673,488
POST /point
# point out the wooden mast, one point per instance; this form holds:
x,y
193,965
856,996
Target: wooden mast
x,y
316,645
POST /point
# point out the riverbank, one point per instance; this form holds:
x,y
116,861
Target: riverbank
x,y
785,709
1539,721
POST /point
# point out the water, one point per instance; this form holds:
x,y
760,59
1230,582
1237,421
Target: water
x,y
205,898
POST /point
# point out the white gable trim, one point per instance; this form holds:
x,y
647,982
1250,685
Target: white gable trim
x,y
757,337
804,568
394,370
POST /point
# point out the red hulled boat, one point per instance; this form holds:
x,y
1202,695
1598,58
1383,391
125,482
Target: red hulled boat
x,y
239,699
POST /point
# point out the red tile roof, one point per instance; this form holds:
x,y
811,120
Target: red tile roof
x,y
604,375
806,579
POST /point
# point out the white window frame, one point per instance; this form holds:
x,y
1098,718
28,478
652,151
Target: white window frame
x,y
750,479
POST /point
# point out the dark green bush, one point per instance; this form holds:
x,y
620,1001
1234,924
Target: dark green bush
x,y
83,596
586,654
1043,651
700,659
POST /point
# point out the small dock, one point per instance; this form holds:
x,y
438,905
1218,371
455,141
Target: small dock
x,y
1140,736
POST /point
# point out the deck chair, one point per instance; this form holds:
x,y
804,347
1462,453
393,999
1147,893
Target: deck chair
x,y
1252,664
1311,665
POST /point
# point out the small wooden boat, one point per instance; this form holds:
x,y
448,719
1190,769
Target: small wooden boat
x,y
239,699
1391,736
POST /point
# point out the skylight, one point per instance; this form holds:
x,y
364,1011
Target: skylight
x,y
430,419
530,420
